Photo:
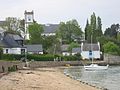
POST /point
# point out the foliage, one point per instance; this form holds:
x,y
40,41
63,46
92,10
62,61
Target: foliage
x,y
70,58
69,30
35,31
73,45
1,52
94,29
112,31
111,48
49,43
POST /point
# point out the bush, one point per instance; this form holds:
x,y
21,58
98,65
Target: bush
x,y
46,57
37,57
12,57
70,58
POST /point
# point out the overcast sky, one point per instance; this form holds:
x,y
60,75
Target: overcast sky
x,y
54,11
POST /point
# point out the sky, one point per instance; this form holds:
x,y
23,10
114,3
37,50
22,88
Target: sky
x,y
55,11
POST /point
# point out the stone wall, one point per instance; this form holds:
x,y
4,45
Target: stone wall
x,y
35,64
6,64
112,59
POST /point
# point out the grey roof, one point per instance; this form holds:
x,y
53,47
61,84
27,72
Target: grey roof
x,y
3,23
34,48
88,47
50,28
64,48
9,41
17,37
76,50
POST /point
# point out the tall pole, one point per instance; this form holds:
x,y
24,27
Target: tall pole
x,y
91,49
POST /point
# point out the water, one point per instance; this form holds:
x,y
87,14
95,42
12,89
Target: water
x,y
109,79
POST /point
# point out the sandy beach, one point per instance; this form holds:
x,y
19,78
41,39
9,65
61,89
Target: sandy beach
x,y
40,79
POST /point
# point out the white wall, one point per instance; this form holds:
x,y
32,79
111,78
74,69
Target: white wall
x,y
48,34
66,54
12,50
85,54
35,52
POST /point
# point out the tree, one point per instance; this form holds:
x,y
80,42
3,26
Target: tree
x,y
99,27
111,48
93,27
69,30
35,31
50,43
86,29
12,24
73,45
112,31
88,32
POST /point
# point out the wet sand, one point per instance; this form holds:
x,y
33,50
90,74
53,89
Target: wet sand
x,y
40,79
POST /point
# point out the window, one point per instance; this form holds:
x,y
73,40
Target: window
x,y
6,50
22,51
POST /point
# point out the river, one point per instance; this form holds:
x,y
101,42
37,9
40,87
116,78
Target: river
x,y
109,78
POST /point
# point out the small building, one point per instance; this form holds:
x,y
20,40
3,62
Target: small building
x,y
76,51
11,44
50,29
34,49
64,50
90,51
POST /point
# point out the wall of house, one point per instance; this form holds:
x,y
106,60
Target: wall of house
x,y
12,51
65,53
35,52
48,34
85,54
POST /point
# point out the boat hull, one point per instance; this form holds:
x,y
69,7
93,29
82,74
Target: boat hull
x,y
95,67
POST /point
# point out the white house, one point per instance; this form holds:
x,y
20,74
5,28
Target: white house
x,y
76,51
12,44
90,51
64,49
34,49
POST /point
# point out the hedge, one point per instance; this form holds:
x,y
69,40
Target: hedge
x,y
37,57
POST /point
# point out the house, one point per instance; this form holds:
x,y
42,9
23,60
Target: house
x,y
64,49
11,44
76,51
34,49
50,29
90,51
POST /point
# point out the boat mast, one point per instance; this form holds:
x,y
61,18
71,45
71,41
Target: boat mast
x,y
92,49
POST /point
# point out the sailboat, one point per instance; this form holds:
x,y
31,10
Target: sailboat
x,y
94,66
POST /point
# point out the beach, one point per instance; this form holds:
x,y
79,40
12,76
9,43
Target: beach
x,y
41,79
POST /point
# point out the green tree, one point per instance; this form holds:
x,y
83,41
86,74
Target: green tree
x,y
35,31
112,31
93,27
73,45
69,30
111,48
50,43
88,32
99,27
86,29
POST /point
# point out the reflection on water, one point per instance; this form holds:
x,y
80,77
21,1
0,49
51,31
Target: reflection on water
x,y
104,78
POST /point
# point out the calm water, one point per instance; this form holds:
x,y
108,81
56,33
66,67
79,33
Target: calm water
x,y
109,79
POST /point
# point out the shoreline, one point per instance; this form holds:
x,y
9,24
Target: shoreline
x,y
51,78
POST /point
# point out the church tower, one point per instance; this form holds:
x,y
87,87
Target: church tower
x,y
29,18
